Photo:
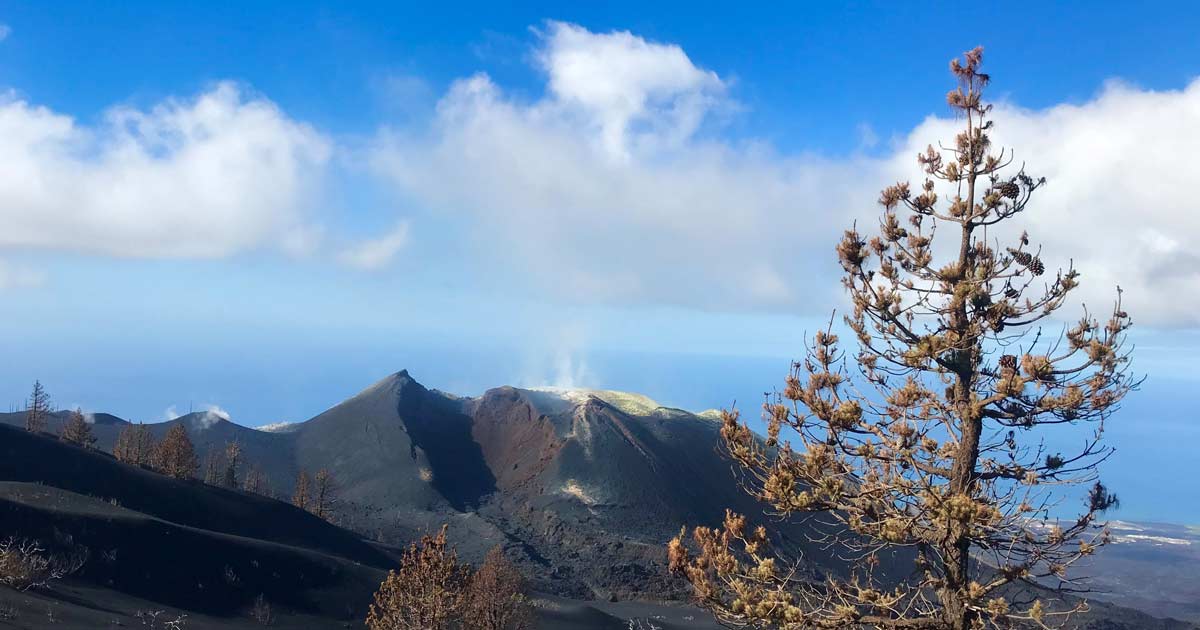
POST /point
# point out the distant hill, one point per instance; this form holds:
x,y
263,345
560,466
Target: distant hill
x,y
180,545
1150,566
165,548
581,487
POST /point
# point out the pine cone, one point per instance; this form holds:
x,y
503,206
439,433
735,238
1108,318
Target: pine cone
x,y
1008,361
1008,189
1023,258
1028,261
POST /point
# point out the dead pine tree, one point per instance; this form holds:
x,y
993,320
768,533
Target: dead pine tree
x,y
135,445
37,409
927,440
233,458
302,498
78,431
325,494
256,481
213,467
175,455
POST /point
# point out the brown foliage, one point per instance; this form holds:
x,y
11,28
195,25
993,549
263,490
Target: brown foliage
x,y
25,564
233,457
325,496
256,481
135,445
37,409
175,455
221,467
78,431
212,468
427,592
496,596
928,437
301,498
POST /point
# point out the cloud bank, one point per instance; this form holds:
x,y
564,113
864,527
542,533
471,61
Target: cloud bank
x,y
607,187
200,178
1120,196
617,184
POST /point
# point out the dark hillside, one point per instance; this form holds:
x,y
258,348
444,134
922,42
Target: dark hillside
x,y
39,459
105,426
184,567
271,453
438,428
581,488
364,443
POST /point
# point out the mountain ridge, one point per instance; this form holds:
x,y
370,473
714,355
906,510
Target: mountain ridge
x,y
580,487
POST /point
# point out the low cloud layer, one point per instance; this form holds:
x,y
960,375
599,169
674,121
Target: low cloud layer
x,y
1120,196
616,185
603,190
204,177
606,188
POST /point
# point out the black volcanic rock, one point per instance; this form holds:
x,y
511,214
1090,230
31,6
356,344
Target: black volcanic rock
x,y
365,443
29,458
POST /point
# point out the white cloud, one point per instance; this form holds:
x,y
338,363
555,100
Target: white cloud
x,y
1120,195
603,189
376,253
5,31
207,177
617,81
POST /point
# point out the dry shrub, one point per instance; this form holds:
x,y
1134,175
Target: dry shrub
x,y
25,564
432,591
427,592
496,596
261,611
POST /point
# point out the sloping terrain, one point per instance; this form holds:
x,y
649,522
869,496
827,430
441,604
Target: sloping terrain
x,y
581,488
178,546
1150,566
182,567
595,492
35,459
155,547
105,426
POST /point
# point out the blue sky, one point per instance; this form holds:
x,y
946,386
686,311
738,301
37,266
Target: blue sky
x,y
266,208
